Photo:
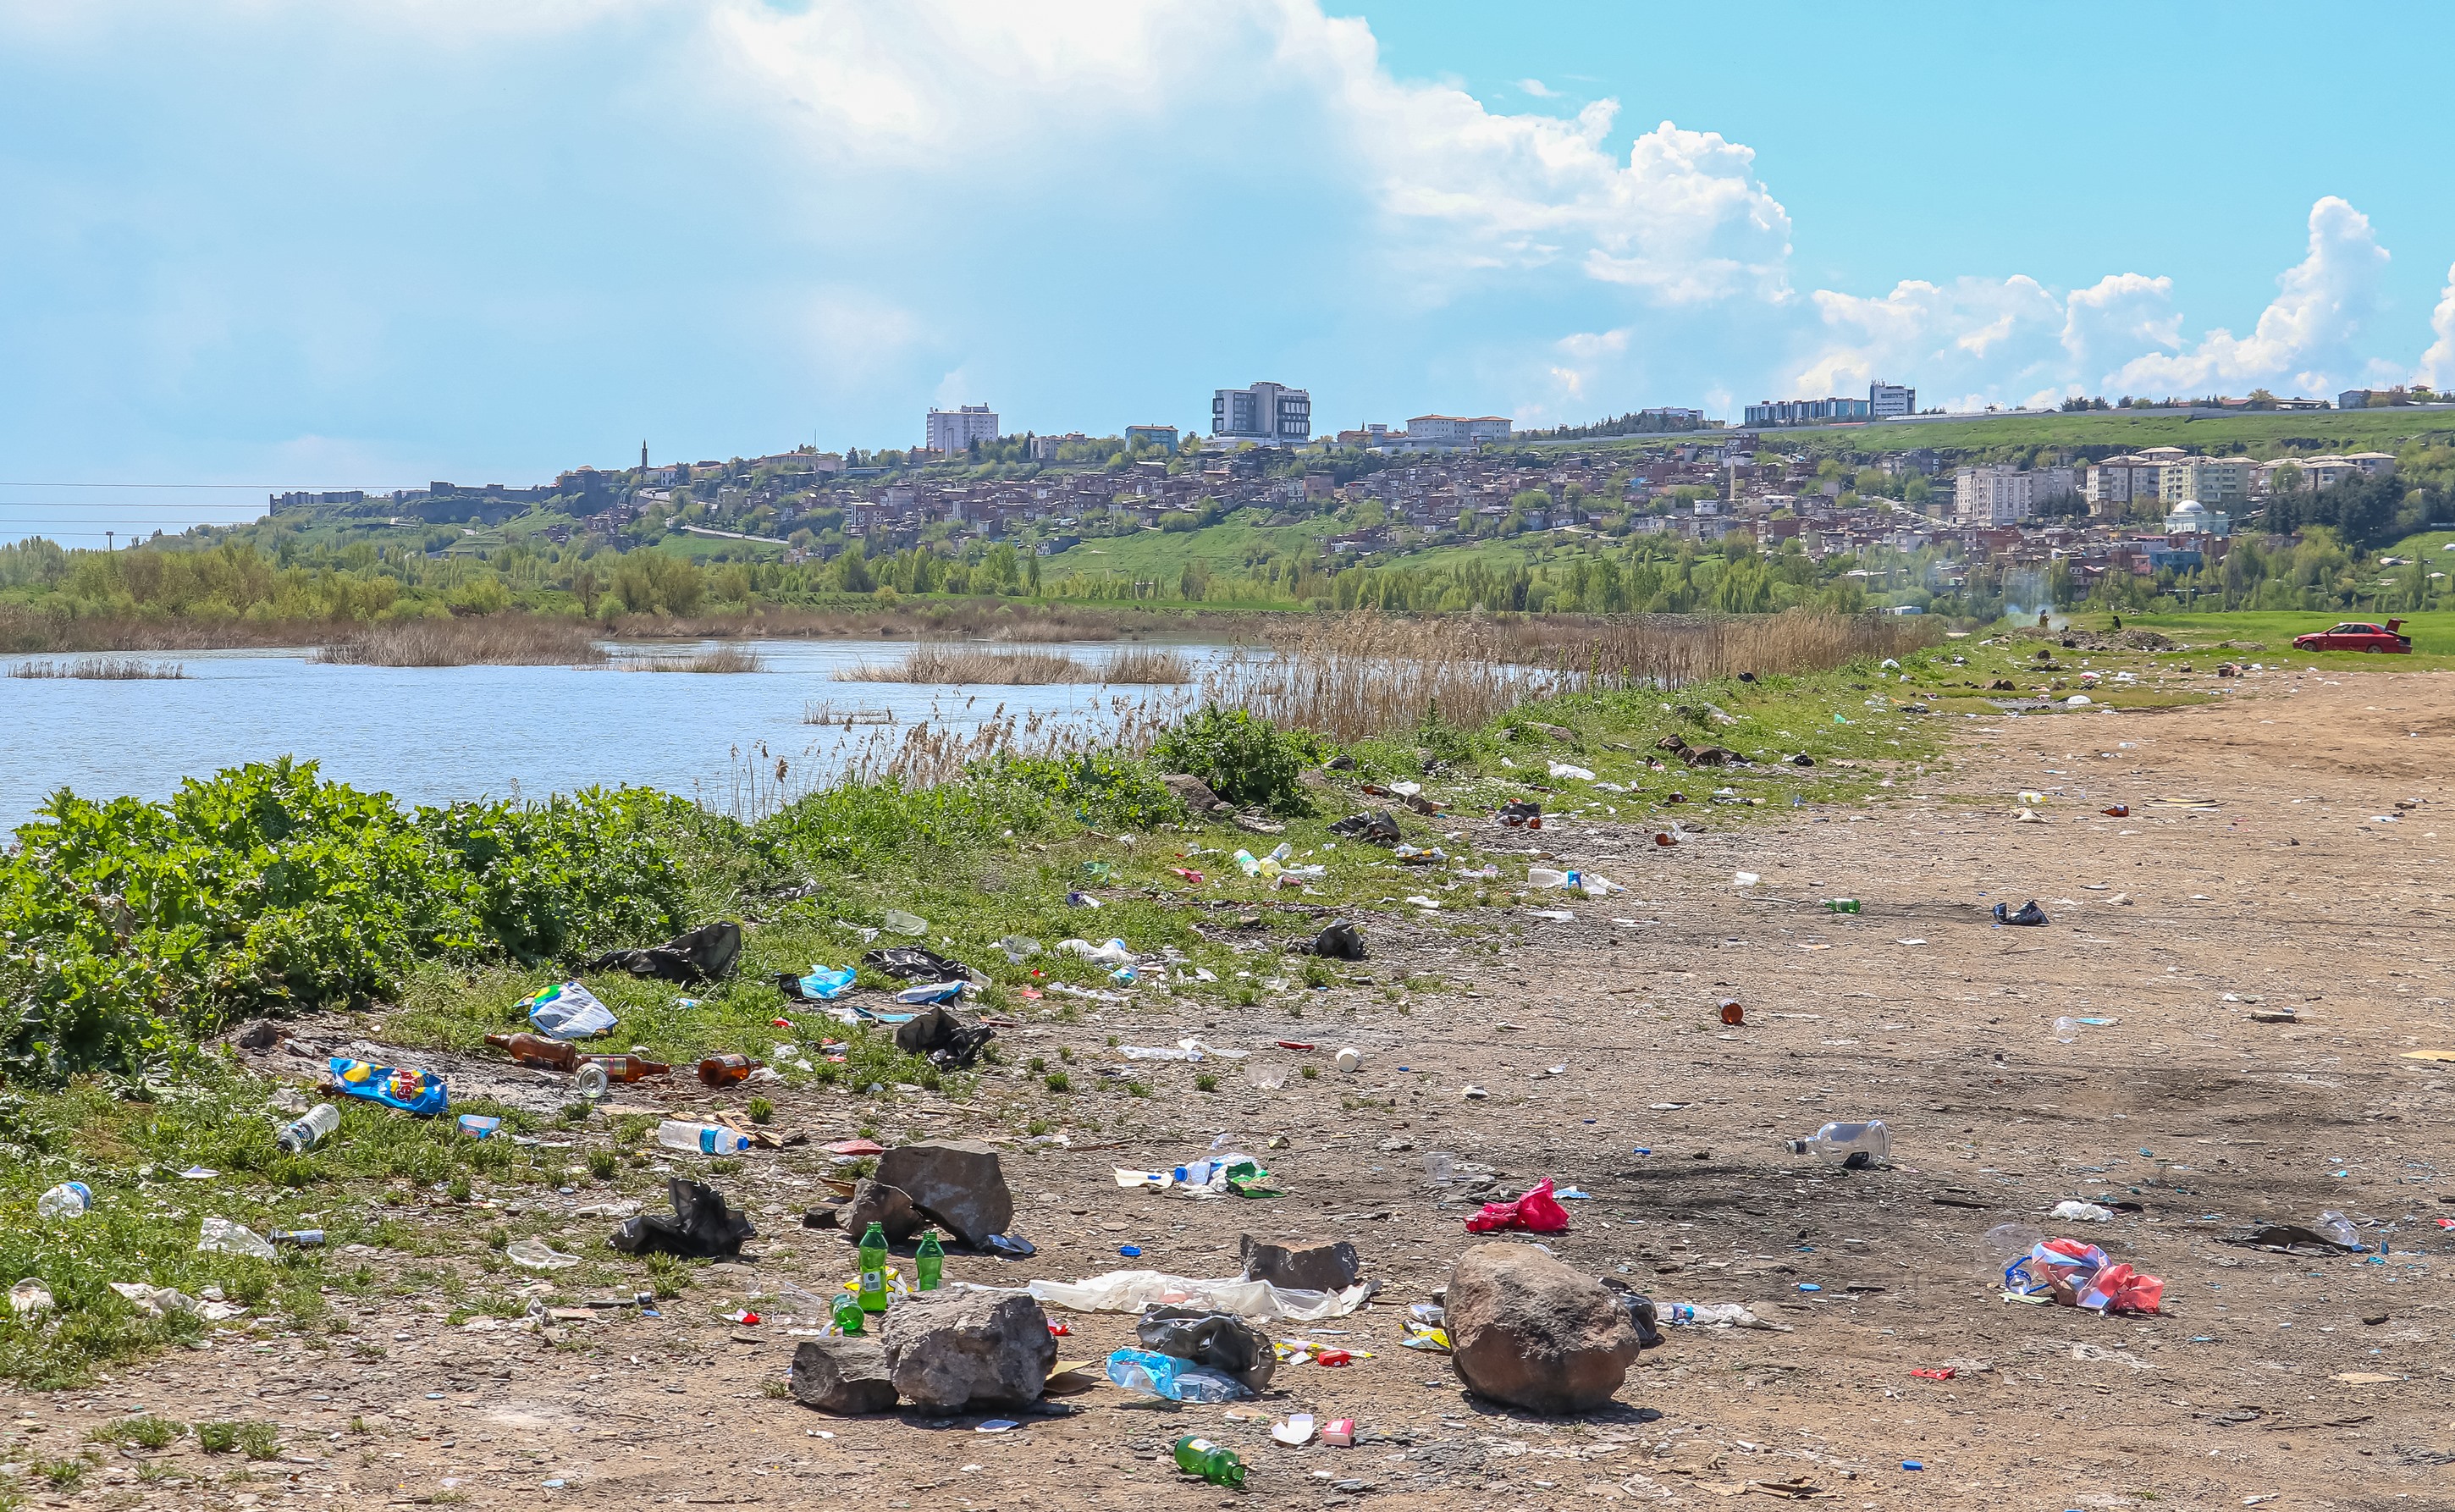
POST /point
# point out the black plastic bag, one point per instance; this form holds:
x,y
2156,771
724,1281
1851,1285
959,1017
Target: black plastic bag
x,y
948,1042
910,963
1342,941
705,954
1380,828
1221,1340
702,1228
2030,914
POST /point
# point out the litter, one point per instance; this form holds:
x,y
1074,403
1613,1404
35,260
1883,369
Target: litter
x,y
414,1091
479,1125
1350,1061
2073,1209
902,923
536,1255
2292,1238
1524,813
306,1133
827,982
1562,771
1132,1291
2076,1275
1744,879
1716,1315
1852,1146
1342,941
1555,915
944,1040
1215,1341
702,1228
232,1239
1340,1433
31,1295
704,955
915,963
568,1010
1296,1430
1536,1212
927,993
1379,826
2030,914
70,1199
1111,953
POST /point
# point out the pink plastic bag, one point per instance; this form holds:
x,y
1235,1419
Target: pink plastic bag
x,y
1537,1212
2077,1274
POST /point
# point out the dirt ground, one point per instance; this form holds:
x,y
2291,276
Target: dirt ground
x,y
2265,867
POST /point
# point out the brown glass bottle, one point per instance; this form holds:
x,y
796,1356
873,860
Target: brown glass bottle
x,y
718,1070
627,1068
536,1049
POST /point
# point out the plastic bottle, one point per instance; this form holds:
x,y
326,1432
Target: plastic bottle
x,y
1246,864
70,1199
1217,1466
1284,853
700,1138
2338,1228
308,1131
928,1262
717,1071
1856,1145
873,1270
1166,1376
536,1049
303,1238
1707,1314
848,1314
628,1067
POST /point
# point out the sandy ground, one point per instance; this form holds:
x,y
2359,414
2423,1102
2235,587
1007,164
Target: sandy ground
x,y
2311,1382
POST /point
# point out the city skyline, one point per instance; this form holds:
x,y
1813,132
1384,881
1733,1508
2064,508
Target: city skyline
x,y
503,240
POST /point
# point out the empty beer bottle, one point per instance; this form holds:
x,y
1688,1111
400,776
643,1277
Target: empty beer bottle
x,y
628,1067
718,1070
1217,1466
873,1270
928,1262
536,1049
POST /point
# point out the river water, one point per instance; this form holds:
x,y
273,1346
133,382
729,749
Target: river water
x,y
428,735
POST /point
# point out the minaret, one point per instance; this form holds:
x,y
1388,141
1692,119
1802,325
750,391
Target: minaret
x,y
643,454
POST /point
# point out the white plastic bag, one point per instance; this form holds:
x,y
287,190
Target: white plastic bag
x,y
569,1011
1132,1291
536,1255
232,1239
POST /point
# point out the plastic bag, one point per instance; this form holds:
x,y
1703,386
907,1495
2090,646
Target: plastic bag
x,y
234,1238
536,1255
418,1091
1222,1341
827,981
2077,1274
1132,1291
569,1011
1535,1213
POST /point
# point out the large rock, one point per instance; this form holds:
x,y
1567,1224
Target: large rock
x,y
844,1374
1193,790
1313,1268
1528,1330
946,1350
956,1182
888,1206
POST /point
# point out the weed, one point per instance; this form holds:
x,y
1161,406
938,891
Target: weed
x,y
1058,1081
1037,1127
1205,1081
1245,760
761,1110
668,1276
1311,1071
602,1164
1137,1089
1065,1054
146,1432
258,1440
64,1474
1036,1065
777,1391
1317,972
727,1166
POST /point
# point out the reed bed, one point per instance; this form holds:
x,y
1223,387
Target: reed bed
x,y
941,663
822,711
714,659
1147,665
497,639
103,669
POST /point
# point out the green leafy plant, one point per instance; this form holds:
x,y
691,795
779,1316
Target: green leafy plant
x,y
1246,760
217,1437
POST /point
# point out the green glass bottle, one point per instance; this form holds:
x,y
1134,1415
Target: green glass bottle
x,y
848,1314
873,1270
1217,1466
928,1262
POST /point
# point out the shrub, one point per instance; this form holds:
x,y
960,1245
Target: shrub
x,y
1102,789
1245,760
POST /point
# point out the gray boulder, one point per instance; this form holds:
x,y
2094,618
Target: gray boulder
x,y
1531,1332
1331,1267
888,1206
1193,790
946,1350
842,1375
956,1182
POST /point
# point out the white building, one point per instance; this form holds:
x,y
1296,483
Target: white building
x,y
2001,494
2191,518
1891,400
2120,480
1450,430
2208,480
951,431
1267,414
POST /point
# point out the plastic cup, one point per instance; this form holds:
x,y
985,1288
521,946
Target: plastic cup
x,y
1438,1168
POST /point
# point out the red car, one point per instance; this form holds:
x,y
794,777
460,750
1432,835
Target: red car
x,y
2355,635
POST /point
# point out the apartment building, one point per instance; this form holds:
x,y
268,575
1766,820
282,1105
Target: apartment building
x,y
1267,414
1807,412
1450,430
1891,400
2213,481
2001,494
951,431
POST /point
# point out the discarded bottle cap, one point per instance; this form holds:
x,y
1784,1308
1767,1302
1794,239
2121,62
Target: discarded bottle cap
x,y
1732,1011
1129,1251
1351,1059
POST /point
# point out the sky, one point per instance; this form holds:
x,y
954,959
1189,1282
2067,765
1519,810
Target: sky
x,y
259,244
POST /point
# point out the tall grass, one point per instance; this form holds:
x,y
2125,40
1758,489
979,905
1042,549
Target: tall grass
x,y
714,659
497,639
1147,665
101,669
938,663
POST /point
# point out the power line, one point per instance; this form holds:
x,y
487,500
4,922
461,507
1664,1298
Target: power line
x,y
303,488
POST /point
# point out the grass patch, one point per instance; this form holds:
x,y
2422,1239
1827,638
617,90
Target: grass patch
x,y
716,659
493,639
964,664
103,669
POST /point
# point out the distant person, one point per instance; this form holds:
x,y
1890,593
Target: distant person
x,y
2117,622
2044,617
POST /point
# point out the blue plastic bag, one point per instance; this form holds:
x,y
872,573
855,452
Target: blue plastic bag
x,y
569,1011
931,993
418,1091
825,982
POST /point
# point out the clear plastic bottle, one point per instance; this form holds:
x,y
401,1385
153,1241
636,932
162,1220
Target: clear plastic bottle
x,y
1166,1376
2338,1228
1707,1314
309,1131
1546,877
1856,1145
70,1199
1246,864
700,1138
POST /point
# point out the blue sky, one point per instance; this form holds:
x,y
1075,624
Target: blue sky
x,y
276,242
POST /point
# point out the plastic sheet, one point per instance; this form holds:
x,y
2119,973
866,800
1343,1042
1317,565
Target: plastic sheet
x,y
1132,1291
568,1010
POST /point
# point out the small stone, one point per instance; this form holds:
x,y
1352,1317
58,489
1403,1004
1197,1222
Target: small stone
x,y
1330,1267
888,1206
1192,790
261,1034
842,1375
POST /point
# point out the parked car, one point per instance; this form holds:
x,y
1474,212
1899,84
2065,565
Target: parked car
x,y
2354,635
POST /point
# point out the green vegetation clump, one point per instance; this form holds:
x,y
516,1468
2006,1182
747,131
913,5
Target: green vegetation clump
x,y
1246,760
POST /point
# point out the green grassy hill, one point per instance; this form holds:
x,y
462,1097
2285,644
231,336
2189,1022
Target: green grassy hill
x,y
2262,434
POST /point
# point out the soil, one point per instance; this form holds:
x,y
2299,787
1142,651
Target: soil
x,y
2265,867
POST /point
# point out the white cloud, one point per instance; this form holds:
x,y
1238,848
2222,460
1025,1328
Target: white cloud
x,y
2438,363
1973,336
2305,338
1538,89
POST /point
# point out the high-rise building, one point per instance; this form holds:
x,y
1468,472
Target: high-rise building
x,y
1891,400
951,431
2001,494
2211,481
1807,412
1269,414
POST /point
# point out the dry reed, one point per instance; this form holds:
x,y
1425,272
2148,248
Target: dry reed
x,y
714,659
820,711
499,640
968,664
102,670
1147,665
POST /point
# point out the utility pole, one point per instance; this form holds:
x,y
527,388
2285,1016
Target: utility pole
x,y
110,541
